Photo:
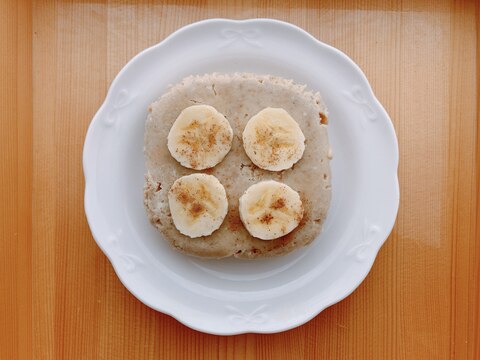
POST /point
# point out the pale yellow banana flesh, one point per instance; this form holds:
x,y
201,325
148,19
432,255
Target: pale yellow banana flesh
x,y
200,137
198,204
270,209
273,140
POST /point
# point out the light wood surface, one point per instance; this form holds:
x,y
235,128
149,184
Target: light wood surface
x,y
60,298
15,180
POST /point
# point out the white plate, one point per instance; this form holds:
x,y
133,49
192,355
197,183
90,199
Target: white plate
x,y
232,296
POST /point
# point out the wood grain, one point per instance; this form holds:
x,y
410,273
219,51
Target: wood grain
x,y
15,179
476,315
421,299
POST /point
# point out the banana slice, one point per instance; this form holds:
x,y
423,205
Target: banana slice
x,y
273,140
198,204
200,137
270,209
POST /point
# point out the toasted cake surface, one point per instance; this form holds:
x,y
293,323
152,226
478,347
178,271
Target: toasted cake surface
x,y
239,96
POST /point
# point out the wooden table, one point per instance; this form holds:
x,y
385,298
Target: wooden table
x,y
59,297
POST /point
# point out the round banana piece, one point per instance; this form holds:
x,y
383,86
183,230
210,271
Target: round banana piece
x,y
198,204
270,209
273,140
200,137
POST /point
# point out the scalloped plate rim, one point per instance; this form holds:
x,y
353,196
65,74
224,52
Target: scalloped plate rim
x,y
209,327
